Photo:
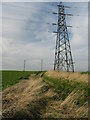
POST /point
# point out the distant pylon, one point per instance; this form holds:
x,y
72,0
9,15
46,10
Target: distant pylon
x,y
24,65
63,55
41,64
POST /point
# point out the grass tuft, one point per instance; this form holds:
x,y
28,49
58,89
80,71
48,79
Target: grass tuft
x,y
65,87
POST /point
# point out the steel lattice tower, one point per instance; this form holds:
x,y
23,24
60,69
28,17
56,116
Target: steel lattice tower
x,y
63,55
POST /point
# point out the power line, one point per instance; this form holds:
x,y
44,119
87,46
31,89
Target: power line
x,y
78,7
13,28
70,7
26,8
71,15
66,6
29,29
43,10
17,19
24,20
70,26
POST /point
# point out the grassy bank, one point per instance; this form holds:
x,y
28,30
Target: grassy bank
x,y
10,78
65,87
47,96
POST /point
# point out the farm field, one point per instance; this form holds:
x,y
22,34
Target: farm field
x,y
46,95
10,78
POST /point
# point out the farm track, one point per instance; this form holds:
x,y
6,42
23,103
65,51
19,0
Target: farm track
x,y
34,98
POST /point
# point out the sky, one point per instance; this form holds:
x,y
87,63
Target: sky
x,y
44,0
27,34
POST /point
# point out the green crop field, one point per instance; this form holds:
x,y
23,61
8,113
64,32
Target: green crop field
x,y
10,78
85,72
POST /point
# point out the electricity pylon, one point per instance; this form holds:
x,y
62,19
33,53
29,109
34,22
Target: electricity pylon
x,y
24,65
63,55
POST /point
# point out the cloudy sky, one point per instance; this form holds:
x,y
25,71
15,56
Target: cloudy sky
x,y
27,34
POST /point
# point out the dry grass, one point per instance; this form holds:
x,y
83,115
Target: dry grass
x,y
68,75
38,99
66,108
21,95
75,104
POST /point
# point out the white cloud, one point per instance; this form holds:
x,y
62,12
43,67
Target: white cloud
x,y
20,44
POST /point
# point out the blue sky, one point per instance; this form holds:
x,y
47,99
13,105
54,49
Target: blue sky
x,y
27,34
